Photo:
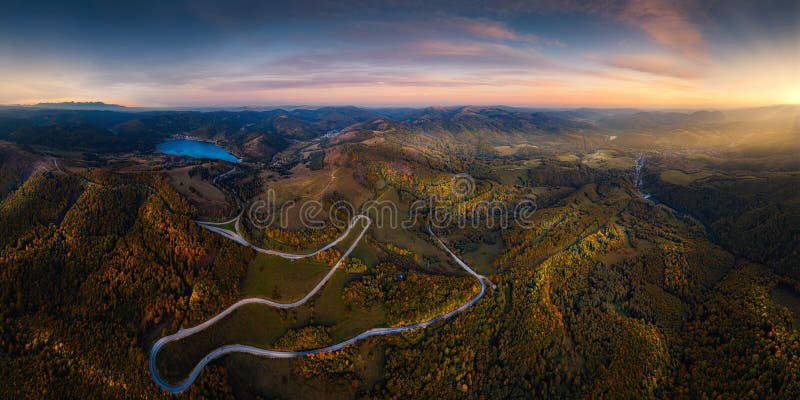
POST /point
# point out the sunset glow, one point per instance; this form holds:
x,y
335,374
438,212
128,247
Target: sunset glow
x,y
643,53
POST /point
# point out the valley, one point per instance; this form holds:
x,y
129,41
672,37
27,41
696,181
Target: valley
x,y
371,199
432,281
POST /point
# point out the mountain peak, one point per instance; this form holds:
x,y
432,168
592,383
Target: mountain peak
x,y
80,105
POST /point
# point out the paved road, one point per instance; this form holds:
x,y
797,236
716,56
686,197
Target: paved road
x,y
240,348
237,237
220,176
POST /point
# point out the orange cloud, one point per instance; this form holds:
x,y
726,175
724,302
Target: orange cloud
x,y
667,23
487,29
441,47
653,64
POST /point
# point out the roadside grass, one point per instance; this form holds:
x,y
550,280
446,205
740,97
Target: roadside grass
x,y
330,310
251,324
231,226
354,232
261,326
366,252
279,279
482,257
292,215
276,379
288,280
412,239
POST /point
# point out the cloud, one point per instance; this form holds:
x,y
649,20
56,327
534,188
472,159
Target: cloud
x,y
445,48
349,79
488,29
654,64
668,24
413,48
422,28
465,55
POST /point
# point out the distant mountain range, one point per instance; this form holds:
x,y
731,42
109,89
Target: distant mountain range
x,y
656,117
97,126
76,105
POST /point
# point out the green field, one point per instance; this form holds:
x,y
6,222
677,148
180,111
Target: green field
x,y
609,159
330,310
277,378
280,279
286,280
366,252
357,228
413,239
482,257
677,177
567,157
251,324
231,226
261,326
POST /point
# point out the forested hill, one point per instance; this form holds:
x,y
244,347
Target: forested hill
x,y
89,272
122,130
602,294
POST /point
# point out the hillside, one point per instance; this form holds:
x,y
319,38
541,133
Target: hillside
x,y
596,291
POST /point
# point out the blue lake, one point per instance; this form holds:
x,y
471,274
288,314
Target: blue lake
x,y
196,149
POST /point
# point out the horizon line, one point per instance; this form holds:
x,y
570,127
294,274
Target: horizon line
x,y
100,103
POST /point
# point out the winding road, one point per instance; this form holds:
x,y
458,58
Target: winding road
x,y
241,348
220,176
237,237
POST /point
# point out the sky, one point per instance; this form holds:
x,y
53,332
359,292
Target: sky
x,y
548,53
